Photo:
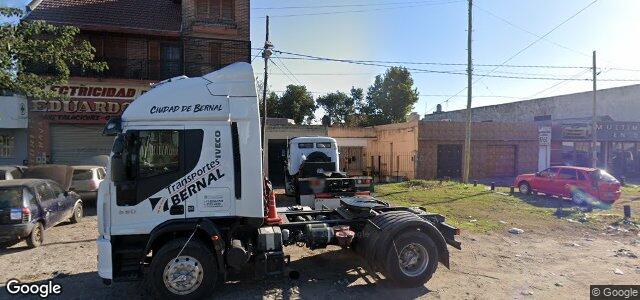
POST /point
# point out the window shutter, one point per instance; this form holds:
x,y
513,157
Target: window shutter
x,y
202,8
228,9
215,56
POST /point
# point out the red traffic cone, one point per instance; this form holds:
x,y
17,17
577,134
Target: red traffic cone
x,y
272,213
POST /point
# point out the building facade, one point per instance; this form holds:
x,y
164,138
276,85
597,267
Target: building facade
x,y
13,129
428,150
570,119
142,42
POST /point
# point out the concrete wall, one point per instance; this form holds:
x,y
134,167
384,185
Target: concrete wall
x,y
394,150
621,104
485,138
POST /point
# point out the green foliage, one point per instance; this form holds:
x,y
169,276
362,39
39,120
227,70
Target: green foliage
x,y
296,103
390,98
30,47
462,203
338,106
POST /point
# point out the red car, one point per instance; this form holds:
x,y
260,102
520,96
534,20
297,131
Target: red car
x,y
565,181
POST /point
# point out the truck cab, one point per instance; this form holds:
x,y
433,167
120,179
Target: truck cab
x,y
185,202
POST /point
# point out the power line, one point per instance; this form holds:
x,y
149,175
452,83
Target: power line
x,y
286,68
528,31
529,45
310,57
341,5
361,10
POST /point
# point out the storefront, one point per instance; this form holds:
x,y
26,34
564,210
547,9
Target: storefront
x,y
70,131
13,130
617,146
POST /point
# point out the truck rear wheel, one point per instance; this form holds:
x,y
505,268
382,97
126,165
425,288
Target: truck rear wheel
x,y
411,260
191,274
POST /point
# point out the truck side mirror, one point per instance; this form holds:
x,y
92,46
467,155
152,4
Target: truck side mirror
x,y
538,174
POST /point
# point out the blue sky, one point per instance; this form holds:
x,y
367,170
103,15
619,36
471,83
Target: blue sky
x,y
435,31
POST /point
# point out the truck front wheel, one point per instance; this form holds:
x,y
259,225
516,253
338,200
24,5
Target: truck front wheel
x,y
412,259
190,274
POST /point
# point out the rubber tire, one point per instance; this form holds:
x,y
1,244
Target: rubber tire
x,y
524,184
32,240
168,252
75,218
392,268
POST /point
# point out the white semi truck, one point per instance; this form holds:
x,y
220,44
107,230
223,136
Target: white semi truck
x,y
313,173
185,202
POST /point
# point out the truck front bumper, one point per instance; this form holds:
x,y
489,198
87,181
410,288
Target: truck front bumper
x,y
105,266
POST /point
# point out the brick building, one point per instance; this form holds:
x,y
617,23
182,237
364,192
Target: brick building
x,y
427,150
142,42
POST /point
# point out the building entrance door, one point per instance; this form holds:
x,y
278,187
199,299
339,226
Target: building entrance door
x,y
449,161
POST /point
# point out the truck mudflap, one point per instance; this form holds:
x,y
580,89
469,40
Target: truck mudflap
x,y
448,233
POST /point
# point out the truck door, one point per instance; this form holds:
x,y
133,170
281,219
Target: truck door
x,y
159,164
212,191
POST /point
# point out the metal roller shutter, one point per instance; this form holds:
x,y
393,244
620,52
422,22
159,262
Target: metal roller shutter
x,y
78,144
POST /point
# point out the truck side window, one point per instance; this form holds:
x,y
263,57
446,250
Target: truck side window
x,y
567,174
159,152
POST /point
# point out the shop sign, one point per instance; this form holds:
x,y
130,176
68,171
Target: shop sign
x,y
609,131
86,103
544,136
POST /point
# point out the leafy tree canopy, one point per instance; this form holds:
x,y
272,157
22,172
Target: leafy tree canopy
x,y
29,49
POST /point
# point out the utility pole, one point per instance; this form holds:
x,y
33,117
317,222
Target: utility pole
x,y
594,150
266,54
467,141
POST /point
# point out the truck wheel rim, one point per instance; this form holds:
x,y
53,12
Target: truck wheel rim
x,y
183,275
524,188
413,259
79,212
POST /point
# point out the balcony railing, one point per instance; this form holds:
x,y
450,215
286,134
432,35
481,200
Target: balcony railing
x,y
143,69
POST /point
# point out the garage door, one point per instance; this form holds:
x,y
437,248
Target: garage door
x,y
502,161
78,144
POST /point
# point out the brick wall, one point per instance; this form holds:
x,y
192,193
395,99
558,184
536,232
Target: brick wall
x,y
211,42
212,27
199,59
489,140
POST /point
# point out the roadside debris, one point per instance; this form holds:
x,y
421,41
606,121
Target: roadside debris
x,y
502,222
625,253
527,293
559,284
618,271
515,230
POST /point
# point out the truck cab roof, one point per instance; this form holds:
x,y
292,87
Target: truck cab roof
x,y
205,98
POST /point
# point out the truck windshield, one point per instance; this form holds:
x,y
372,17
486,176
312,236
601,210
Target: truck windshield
x,y
11,197
305,145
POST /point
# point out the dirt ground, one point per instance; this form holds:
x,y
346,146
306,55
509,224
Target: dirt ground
x,y
555,263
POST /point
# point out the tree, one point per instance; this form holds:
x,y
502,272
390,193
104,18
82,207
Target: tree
x,y
390,98
36,54
338,106
297,103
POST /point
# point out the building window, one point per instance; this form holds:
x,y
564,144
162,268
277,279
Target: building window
x,y
215,56
215,9
7,145
542,118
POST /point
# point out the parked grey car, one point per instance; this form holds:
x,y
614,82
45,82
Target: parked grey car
x,y
38,202
86,180
11,172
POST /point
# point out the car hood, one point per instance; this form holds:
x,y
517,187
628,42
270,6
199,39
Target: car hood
x,y
61,174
